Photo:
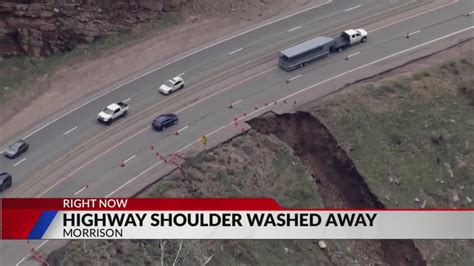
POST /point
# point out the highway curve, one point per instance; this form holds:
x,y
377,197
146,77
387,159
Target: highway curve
x,y
87,162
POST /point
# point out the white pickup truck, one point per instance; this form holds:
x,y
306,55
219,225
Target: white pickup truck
x,y
348,38
112,112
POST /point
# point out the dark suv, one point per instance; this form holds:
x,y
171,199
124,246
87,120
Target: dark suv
x,y
164,121
5,181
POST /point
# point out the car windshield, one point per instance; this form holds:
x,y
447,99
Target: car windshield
x,y
169,83
15,146
108,111
161,119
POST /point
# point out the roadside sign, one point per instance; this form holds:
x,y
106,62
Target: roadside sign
x,y
204,140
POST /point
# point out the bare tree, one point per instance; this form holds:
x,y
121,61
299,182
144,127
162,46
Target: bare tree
x,y
177,253
162,247
208,260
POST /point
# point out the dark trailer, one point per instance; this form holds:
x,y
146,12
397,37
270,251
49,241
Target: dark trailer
x,y
303,53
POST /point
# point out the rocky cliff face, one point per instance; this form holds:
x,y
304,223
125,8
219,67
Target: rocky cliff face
x,y
45,27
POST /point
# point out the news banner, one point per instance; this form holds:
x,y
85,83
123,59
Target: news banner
x,y
244,218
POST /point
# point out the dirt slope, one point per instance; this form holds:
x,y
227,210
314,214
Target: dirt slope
x,y
340,184
402,139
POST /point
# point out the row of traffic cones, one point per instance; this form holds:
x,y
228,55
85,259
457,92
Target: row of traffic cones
x,y
266,104
236,123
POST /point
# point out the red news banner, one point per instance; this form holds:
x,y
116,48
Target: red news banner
x,y
246,218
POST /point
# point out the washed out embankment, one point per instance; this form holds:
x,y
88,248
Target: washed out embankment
x,y
340,184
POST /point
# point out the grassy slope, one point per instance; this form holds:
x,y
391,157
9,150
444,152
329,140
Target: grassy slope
x,y
406,135
247,166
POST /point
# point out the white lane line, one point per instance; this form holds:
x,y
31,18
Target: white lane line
x,y
414,16
22,160
296,93
295,28
151,71
126,100
179,111
354,54
413,33
126,161
236,102
236,51
29,253
470,13
352,8
131,180
70,130
174,61
80,190
295,77
225,89
183,128
181,74
375,62
190,144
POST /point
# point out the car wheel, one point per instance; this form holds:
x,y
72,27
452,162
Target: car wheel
x,y
364,39
124,113
339,50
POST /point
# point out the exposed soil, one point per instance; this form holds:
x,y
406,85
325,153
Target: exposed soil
x,y
339,183
308,162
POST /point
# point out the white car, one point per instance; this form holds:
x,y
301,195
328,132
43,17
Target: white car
x,y
112,112
171,85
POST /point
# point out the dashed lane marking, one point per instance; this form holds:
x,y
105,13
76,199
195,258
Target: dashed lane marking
x,y
236,51
295,28
80,190
69,131
19,162
352,8
130,158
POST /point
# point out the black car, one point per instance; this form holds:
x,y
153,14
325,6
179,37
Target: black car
x,y
16,149
5,181
164,121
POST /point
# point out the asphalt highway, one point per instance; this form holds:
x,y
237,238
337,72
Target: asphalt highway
x,y
86,162
201,70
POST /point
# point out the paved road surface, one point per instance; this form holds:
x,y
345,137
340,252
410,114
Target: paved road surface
x,y
94,161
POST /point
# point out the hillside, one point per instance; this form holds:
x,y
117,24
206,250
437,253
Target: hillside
x,y
37,27
401,139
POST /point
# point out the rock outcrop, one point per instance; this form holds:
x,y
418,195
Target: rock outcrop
x,y
45,27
